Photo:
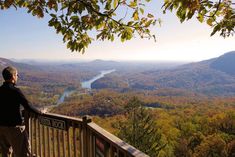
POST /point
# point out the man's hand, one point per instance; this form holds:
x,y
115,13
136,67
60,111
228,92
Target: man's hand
x,y
43,110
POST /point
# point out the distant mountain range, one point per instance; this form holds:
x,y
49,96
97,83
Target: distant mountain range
x,y
210,77
43,74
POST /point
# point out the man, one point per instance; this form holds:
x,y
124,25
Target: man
x,y
12,129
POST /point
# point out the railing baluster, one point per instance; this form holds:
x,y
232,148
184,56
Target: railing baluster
x,y
48,142
117,152
74,142
35,131
44,140
88,142
64,146
58,142
31,133
68,140
53,137
90,145
81,141
40,140
84,135
109,151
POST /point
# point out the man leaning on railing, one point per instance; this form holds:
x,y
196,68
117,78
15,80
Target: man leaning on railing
x,y
13,135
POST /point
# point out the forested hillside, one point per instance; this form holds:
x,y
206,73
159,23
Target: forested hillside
x,y
212,77
225,63
189,125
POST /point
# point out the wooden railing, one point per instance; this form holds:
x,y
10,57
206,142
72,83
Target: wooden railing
x,y
53,135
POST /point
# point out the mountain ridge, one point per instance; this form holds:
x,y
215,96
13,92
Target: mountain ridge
x,y
225,63
211,77
200,77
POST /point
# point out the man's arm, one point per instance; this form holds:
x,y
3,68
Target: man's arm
x,y
26,104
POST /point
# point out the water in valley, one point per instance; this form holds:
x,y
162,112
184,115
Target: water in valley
x,y
85,84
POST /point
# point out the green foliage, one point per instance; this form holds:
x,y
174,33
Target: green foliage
x,y
77,21
140,129
220,15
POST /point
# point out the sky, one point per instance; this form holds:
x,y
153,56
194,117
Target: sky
x,y
23,36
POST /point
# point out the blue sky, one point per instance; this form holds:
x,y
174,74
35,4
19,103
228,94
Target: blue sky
x,y
23,36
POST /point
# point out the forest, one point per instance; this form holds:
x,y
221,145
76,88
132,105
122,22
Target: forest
x,y
178,120
195,126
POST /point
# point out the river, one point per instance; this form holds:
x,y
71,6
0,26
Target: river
x,y
85,84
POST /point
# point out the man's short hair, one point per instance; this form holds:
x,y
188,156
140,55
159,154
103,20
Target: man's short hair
x,y
8,72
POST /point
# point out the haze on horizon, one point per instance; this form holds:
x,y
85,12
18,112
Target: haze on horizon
x,y
26,37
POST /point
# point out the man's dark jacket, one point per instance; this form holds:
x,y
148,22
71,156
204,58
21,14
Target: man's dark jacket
x,y
11,98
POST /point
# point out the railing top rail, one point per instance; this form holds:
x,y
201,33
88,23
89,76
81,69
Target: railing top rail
x,y
62,117
59,116
115,141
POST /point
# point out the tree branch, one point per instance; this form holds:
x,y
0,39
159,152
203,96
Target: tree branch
x,y
217,8
108,16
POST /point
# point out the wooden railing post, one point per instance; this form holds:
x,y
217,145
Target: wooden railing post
x,y
85,141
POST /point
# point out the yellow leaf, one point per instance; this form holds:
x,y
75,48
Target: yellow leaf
x,y
115,2
148,23
200,18
142,10
133,4
136,16
150,16
209,22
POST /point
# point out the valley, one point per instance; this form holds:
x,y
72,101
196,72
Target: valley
x,y
191,104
